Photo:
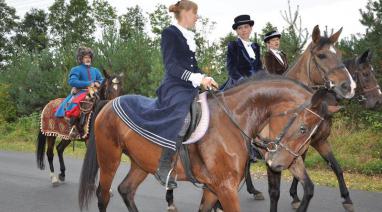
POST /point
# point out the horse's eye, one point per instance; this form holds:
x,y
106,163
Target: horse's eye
x,y
321,56
303,129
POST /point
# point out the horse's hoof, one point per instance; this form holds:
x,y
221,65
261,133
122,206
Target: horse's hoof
x,y
295,204
61,177
54,180
172,208
348,207
259,196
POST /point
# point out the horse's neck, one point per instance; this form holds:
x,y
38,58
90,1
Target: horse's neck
x,y
300,70
243,110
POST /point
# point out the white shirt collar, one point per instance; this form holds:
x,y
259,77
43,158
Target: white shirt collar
x,y
245,43
277,53
189,35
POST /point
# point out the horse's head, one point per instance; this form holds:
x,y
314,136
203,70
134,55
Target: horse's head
x,y
325,65
292,130
111,87
362,71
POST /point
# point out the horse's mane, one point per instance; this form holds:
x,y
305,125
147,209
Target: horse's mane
x,y
265,76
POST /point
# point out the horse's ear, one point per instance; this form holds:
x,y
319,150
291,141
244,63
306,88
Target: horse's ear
x,y
369,56
316,35
105,72
334,38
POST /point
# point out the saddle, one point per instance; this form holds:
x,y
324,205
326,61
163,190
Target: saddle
x,y
196,114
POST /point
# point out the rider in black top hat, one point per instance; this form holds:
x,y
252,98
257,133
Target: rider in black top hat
x,y
243,56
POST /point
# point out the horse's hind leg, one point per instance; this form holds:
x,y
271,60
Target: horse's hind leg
x,y
325,151
298,170
109,158
250,188
208,201
129,186
50,155
60,152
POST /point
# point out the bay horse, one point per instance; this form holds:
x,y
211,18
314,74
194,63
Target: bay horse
x,y
253,104
361,69
110,88
368,91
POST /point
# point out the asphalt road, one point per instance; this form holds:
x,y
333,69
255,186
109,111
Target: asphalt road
x,y
25,188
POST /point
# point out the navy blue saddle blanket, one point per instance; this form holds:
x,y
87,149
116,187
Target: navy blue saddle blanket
x,y
159,124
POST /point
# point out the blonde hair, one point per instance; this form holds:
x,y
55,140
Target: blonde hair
x,y
182,5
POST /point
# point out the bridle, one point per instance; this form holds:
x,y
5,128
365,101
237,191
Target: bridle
x,y
324,73
271,145
364,90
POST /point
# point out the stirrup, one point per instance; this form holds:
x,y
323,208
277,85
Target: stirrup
x,y
174,185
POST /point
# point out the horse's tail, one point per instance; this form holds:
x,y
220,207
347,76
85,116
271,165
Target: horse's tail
x,y
90,165
40,150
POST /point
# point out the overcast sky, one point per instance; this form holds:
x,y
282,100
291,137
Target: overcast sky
x,y
331,13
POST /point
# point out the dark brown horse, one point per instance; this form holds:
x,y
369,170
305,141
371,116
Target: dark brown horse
x,y
109,89
281,101
368,91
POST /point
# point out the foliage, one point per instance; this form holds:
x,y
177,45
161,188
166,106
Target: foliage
x,y
32,32
8,23
132,22
104,14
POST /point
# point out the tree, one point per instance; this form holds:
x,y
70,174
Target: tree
x,y
32,31
159,19
294,37
58,22
132,22
371,18
104,14
81,23
8,24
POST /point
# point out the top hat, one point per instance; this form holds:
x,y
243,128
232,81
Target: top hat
x,y
270,35
241,20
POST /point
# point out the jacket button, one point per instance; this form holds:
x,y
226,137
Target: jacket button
x,y
192,57
192,65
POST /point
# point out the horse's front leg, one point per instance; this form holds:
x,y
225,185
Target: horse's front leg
x,y
293,188
298,170
274,179
324,149
60,152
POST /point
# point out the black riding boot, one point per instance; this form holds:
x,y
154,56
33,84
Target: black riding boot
x,y
164,169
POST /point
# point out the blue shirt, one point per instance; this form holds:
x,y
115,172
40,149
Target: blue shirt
x,y
78,76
